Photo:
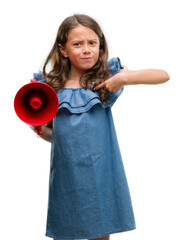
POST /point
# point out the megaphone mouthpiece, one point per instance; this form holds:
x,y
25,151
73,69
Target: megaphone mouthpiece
x,y
35,100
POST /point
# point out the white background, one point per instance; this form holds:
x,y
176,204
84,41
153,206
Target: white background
x,y
148,118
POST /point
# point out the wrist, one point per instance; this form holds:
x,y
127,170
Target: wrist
x,y
123,76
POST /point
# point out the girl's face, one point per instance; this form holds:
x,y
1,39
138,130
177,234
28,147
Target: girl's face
x,y
82,48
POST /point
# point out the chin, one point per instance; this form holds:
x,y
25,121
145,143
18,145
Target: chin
x,y
87,66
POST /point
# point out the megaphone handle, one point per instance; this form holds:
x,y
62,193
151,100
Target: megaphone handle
x,y
39,130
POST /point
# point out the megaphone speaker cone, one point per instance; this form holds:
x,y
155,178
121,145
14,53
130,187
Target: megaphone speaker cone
x,y
36,103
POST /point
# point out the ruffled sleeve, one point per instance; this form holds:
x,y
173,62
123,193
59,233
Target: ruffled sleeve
x,y
39,77
114,66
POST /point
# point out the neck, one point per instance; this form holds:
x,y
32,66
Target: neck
x,y
76,74
74,78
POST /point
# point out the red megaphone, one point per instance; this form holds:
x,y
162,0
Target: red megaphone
x,y
36,103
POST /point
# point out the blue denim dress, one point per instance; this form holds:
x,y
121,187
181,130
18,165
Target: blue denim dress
x,y
88,191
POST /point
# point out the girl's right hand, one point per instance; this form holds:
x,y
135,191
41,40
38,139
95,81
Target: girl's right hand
x,y
33,128
47,132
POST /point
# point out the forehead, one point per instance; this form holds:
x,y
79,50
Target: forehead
x,y
80,32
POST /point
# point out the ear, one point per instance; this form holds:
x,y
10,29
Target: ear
x,y
63,50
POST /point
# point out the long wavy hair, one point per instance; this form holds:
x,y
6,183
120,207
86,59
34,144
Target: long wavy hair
x,y
60,66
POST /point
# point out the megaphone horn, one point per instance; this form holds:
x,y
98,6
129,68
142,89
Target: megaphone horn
x,y
36,104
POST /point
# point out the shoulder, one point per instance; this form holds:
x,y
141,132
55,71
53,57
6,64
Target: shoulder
x,y
114,65
39,77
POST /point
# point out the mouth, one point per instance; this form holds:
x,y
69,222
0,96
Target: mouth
x,y
86,59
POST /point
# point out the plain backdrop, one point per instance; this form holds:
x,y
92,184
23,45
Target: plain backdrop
x,y
148,118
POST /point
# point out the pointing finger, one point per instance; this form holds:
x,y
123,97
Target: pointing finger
x,y
99,86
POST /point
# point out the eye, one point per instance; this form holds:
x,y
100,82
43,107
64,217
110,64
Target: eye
x,y
76,44
92,42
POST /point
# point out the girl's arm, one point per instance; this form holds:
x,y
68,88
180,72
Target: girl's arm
x,y
146,76
127,77
47,132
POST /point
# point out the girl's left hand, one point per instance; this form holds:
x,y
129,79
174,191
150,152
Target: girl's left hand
x,y
113,84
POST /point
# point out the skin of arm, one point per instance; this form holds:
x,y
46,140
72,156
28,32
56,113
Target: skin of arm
x,y
146,76
47,132
128,77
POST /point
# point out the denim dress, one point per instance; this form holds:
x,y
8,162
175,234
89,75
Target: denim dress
x,y
88,191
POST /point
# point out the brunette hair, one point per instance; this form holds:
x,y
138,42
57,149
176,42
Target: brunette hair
x,y
60,66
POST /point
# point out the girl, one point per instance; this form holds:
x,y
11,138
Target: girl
x,y
88,192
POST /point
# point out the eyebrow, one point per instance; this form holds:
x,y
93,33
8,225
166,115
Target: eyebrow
x,y
77,40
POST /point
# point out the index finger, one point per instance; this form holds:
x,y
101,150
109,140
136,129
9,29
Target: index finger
x,y
99,86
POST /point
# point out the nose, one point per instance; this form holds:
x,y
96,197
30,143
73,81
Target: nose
x,y
85,48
